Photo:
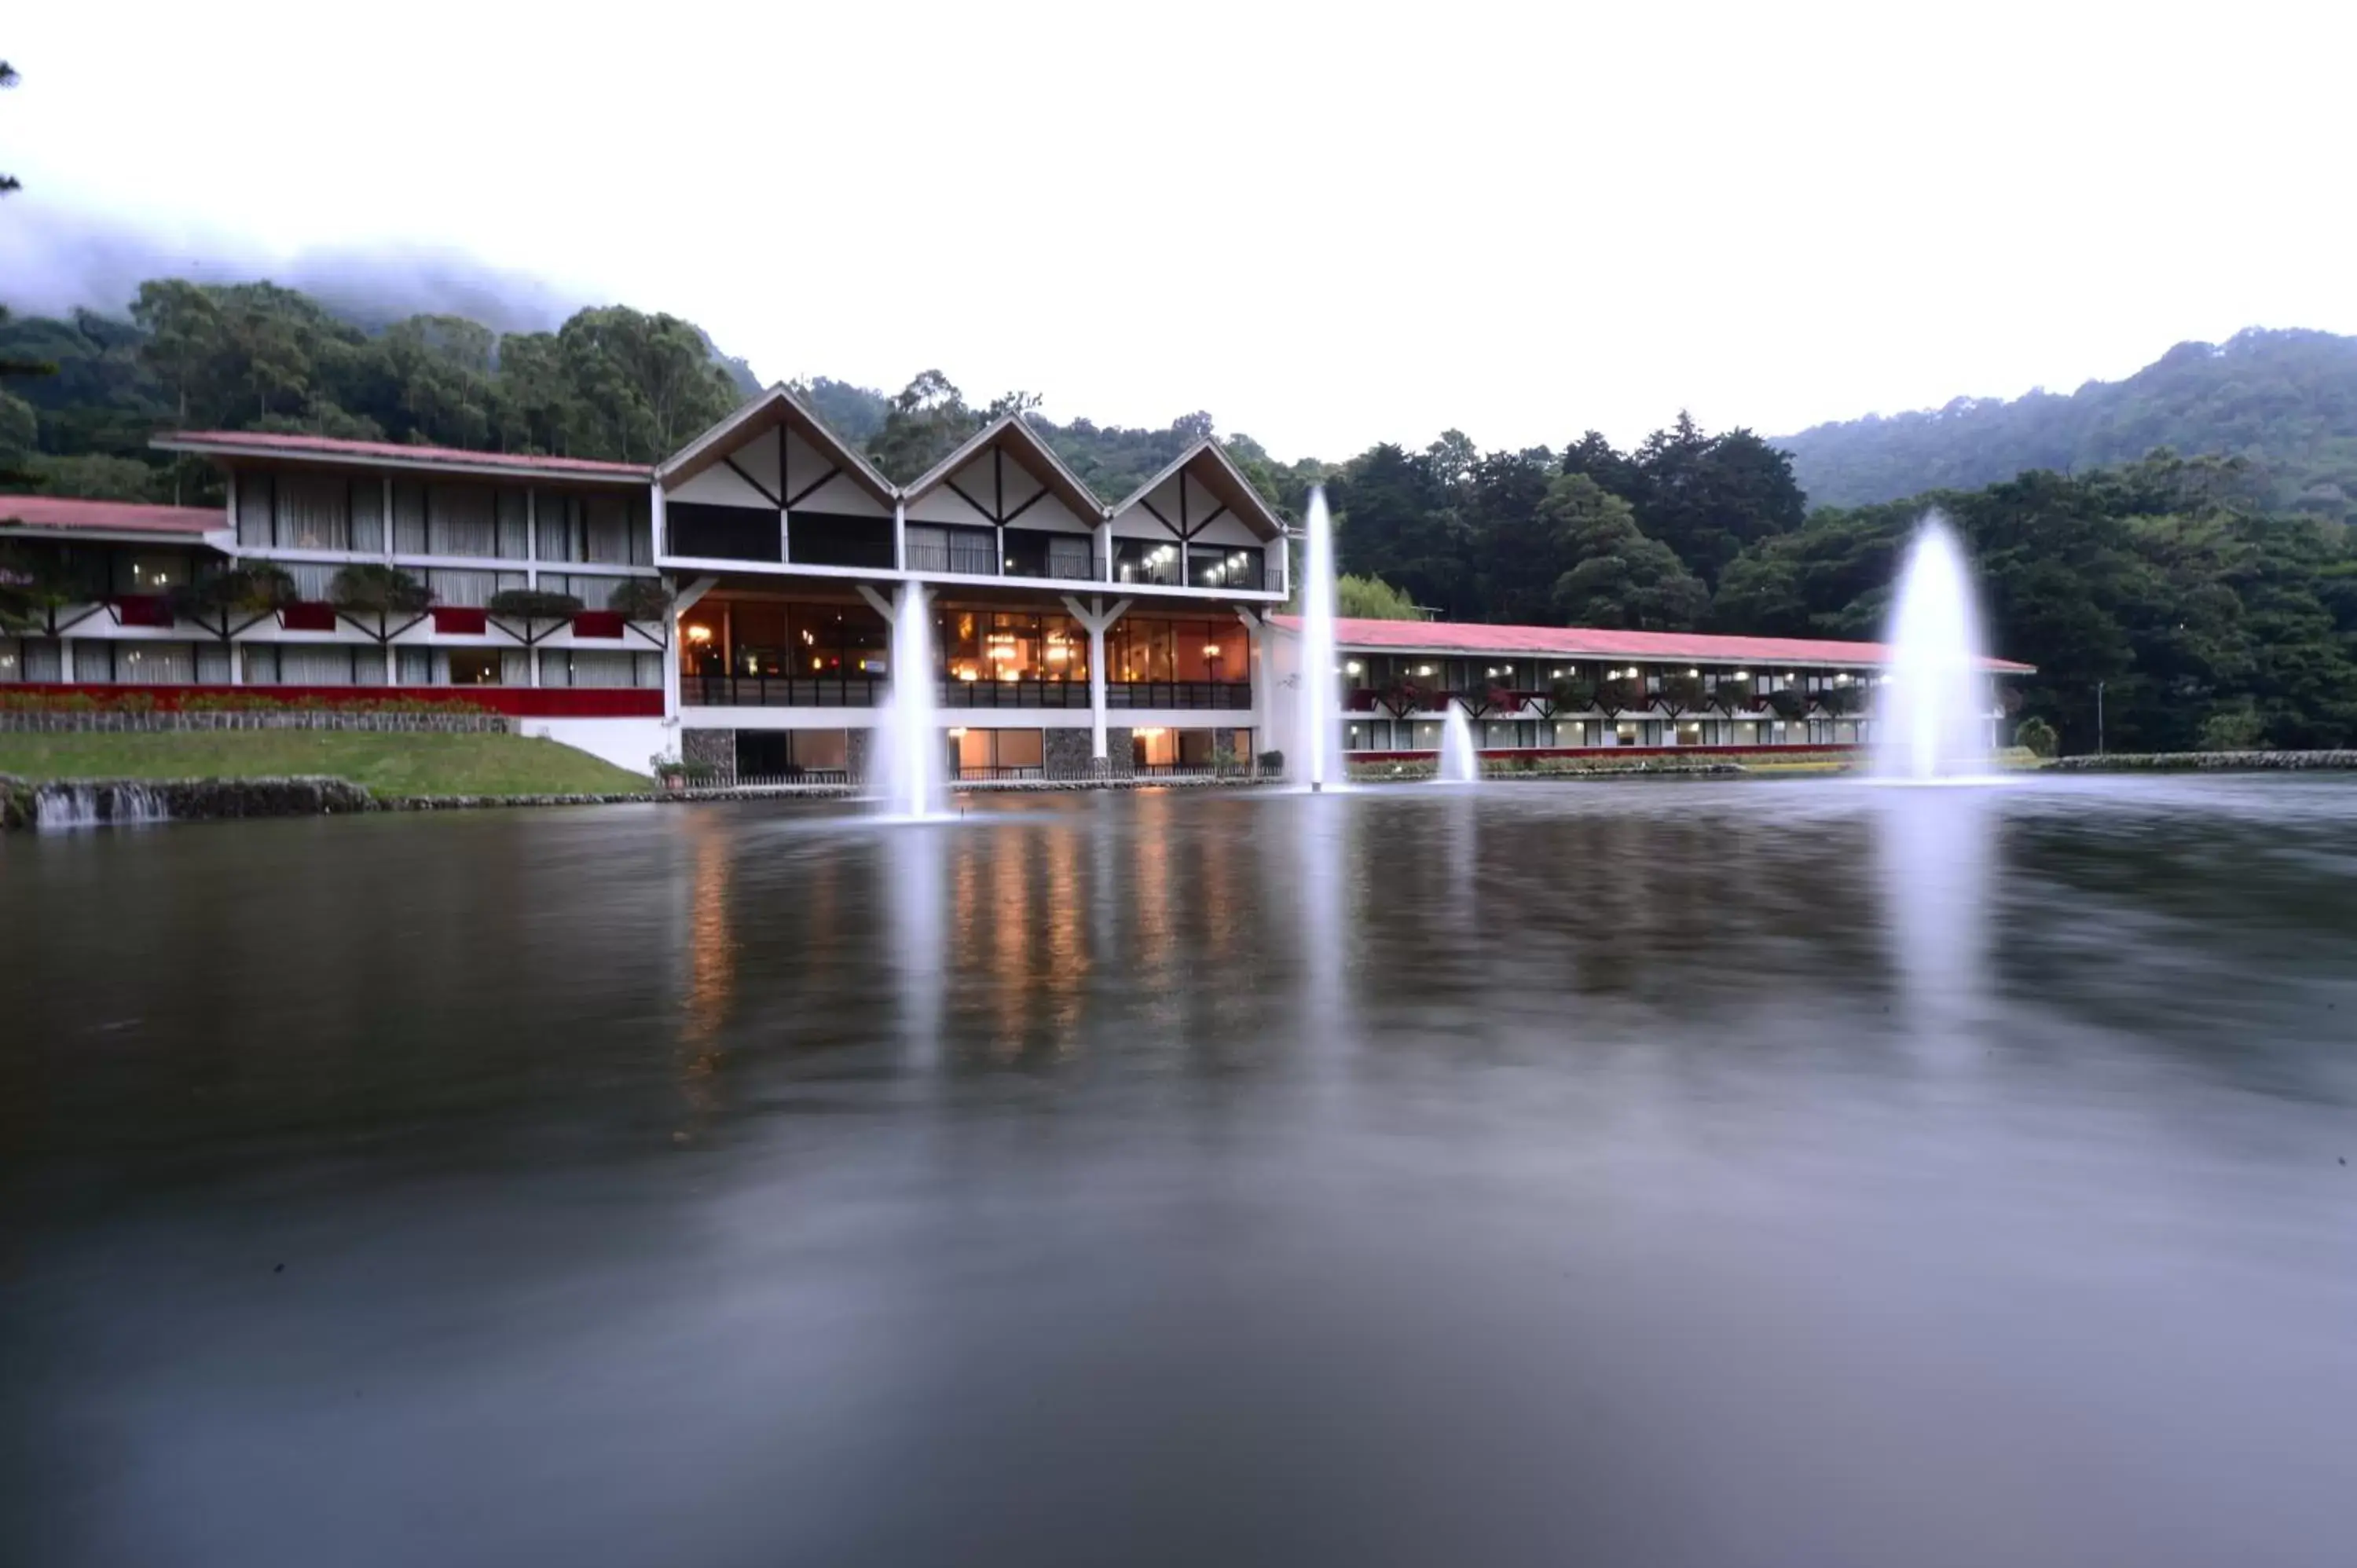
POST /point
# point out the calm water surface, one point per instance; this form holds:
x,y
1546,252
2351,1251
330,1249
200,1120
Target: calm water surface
x,y
1776,1174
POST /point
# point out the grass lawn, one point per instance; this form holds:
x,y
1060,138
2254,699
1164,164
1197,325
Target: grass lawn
x,y
386,764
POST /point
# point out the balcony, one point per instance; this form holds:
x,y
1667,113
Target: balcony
x,y
1014,694
781,691
958,557
1227,696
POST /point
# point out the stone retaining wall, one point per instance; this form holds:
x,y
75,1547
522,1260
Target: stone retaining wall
x,y
157,721
2207,762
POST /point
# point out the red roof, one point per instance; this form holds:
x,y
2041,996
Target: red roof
x,y
1593,643
108,517
233,443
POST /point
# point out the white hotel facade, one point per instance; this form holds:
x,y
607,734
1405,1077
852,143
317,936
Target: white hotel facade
x,y
1072,634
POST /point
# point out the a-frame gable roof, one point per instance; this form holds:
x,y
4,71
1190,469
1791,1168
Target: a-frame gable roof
x,y
1209,464
762,412
1029,449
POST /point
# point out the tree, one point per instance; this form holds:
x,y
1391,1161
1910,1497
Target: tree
x,y
1682,694
927,420
1621,579
1371,598
643,384
2036,737
36,584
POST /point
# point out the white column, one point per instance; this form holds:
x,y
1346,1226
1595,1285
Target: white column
x,y
655,519
1096,620
1104,552
1256,659
900,536
385,539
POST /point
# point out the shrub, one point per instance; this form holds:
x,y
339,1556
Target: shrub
x,y
374,589
1790,702
639,598
535,604
1572,693
1272,762
254,587
2037,736
2233,729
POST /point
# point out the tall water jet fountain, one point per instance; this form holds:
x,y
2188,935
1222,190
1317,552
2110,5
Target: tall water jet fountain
x,y
1460,762
1318,760
1932,712
905,767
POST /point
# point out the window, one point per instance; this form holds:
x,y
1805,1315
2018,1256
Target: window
x,y
716,532
515,523
475,666
153,663
969,552
1146,561
1224,566
586,667
149,572
822,539
461,519
319,664
980,753
603,527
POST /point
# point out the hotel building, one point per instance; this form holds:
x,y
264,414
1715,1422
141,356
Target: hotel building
x,y
1072,634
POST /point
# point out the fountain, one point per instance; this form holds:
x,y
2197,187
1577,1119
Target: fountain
x,y
1931,713
905,765
1460,762
1317,761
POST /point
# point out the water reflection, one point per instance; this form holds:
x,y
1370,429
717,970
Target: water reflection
x,y
1935,850
1393,1138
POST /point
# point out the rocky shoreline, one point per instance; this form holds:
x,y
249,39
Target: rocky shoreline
x,y
2208,762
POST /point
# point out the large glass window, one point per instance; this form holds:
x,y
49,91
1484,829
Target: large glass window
x,y
309,511
1147,561
154,663
1224,566
1138,649
981,645
461,519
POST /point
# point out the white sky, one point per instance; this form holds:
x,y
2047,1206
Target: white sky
x,y
1327,226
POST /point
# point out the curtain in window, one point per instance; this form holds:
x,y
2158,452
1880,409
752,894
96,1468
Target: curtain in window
x,y
460,519
311,512
605,537
12,660
408,517
557,510
554,669
368,666
367,506
154,664
327,665
311,578
603,666
261,665
648,672
516,667
212,664
462,590
93,662
515,524
414,666
253,508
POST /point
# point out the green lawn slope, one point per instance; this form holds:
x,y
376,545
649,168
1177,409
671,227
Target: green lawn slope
x,y
384,764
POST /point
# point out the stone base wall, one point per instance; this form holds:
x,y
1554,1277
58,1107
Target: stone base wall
x,y
1067,753
856,741
155,721
1118,740
2206,761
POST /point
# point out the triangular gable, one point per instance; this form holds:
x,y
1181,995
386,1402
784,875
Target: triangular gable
x,y
1023,444
1206,463
755,417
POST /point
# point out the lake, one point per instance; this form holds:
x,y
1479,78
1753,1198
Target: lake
x,y
1672,1173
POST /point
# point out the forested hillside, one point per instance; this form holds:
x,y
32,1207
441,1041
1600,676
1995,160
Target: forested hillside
x,y
2215,599
2283,401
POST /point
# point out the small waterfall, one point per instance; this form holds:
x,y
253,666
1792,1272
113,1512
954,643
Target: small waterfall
x,y
1932,712
905,764
1460,762
1319,733
60,808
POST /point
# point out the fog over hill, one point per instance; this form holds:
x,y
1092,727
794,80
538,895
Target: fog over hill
x,y
2285,402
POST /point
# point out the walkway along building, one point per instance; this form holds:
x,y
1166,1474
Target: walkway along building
x,y
1072,634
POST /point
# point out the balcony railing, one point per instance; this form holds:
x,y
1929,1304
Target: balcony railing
x,y
1015,693
1221,695
969,560
781,691
1065,569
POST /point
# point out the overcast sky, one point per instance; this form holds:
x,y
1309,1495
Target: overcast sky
x,y
1326,226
